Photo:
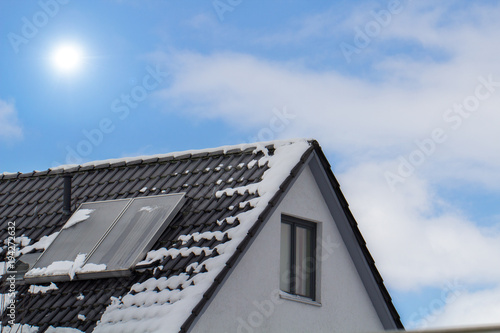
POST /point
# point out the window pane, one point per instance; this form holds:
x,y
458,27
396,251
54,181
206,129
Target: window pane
x,y
285,253
303,261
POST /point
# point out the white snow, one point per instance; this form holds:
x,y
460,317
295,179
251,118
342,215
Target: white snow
x,y
78,263
144,189
79,216
171,300
251,188
3,267
23,328
205,235
148,209
251,164
42,244
66,267
52,329
91,268
23,240
42,289
80,297
81,317
56,268
5,300
156,255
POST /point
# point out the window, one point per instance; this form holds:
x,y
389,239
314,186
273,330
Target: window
x,y
298,257
106,238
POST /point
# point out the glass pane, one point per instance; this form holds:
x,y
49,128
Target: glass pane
x,y
303,261
136,231
84,235
285,253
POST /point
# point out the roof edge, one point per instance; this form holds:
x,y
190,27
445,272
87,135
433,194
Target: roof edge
x,y
370,262
178,155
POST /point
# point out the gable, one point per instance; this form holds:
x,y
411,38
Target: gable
x,y
249,297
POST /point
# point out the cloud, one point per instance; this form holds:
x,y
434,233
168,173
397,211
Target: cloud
x,y
9,124
466,309
377,115
417,239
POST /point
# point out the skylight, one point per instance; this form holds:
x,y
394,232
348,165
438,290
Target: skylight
x,y
106,238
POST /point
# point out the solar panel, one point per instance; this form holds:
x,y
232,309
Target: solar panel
x,y
106,238
135,232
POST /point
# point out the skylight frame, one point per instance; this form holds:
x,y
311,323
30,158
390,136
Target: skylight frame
x,y
152,227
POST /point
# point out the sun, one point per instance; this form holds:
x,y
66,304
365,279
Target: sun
x,y
67,58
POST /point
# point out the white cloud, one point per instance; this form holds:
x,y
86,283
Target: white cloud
x,y
9,124
466,309
417,238
402,100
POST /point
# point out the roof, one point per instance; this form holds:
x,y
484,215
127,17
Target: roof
x,y
230,192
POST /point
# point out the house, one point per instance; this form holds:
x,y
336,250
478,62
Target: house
x,y
248,238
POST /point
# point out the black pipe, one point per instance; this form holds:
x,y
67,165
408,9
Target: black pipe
x,y
67,195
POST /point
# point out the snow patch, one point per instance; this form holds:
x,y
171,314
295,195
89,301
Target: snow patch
x,y
208,235
67,267
148,209
79,216
42,244
52,329
160,254
23,240
251,164
42,289
5,300
24,328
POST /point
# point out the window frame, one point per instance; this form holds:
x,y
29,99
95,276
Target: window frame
x,y
294,223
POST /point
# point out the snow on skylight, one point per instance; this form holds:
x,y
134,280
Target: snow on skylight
x,y
66,267
79,216
42,244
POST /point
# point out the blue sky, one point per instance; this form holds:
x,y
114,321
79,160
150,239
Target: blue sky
x,y
403,96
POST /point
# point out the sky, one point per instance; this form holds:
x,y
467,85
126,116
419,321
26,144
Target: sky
x,y
403,96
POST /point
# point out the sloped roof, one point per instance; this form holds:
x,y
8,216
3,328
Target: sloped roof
x,y
230,190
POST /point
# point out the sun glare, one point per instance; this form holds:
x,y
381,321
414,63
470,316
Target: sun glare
x,y
67,58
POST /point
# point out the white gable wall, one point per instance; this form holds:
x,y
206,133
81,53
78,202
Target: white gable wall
x,y
248,300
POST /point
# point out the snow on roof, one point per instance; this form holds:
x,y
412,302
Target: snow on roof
x,y
157,301
34,289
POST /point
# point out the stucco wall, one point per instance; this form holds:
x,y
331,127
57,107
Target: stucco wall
x,y
248,300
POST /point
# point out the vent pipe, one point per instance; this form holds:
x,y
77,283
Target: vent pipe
x,y
67,195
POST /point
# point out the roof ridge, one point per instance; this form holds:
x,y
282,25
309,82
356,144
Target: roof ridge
x,y
177,155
